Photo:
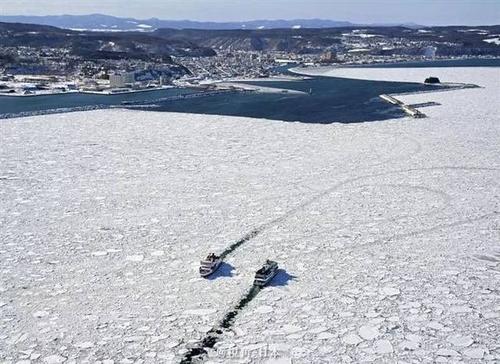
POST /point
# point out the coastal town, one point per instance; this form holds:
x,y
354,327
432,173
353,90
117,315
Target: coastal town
x,y
36,68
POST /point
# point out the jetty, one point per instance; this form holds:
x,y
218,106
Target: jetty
x,y
409,110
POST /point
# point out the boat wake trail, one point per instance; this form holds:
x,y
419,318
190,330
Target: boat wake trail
x,y
252,234
334,188
208,342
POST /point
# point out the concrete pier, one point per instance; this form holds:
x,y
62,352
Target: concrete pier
x,y
409,110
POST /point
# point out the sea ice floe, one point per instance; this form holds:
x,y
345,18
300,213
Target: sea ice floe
x,y
408,345
447,352
85,345
414,338
156,338
291,329
200,312
54,359
40,314
368,332
383,346
474,353
390,291
111,251
264,309
133,339
318,330
435,325
99,253
460,309
486,315
135,258
325,336
352,339
172,344
35,356
461,341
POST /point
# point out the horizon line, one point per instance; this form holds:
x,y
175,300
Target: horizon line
x,y
378,23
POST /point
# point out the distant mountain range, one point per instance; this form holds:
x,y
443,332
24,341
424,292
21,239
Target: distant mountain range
x,y
99,22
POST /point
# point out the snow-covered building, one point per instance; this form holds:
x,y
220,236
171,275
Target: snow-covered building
x,y
119,80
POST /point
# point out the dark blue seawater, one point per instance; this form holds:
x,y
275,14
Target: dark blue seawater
x,y
331,100
327,99
34,104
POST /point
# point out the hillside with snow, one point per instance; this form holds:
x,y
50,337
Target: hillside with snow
x,y
387,233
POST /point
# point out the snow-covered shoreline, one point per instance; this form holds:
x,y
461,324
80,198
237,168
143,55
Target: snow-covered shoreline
x,y
387,233
261,89
418,75
88,92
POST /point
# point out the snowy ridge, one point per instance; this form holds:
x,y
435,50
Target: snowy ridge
x,y
387,233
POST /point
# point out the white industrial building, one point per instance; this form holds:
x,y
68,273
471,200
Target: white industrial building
x,y
119,80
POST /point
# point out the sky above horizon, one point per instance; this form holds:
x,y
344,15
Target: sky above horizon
x,y
425,12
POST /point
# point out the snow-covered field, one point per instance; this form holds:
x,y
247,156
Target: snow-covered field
x,y
492,40
388,233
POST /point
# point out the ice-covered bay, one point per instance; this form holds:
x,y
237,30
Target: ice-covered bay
x,y
388,232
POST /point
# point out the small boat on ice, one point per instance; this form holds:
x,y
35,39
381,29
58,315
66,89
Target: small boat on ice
x,y
265,274
210,265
